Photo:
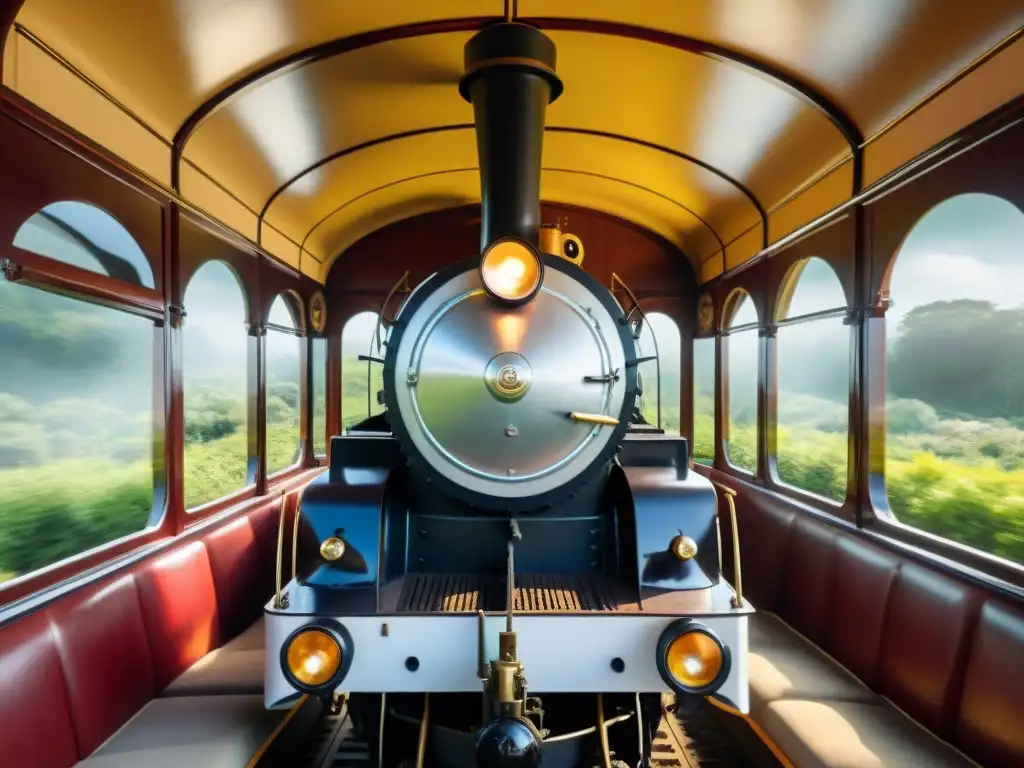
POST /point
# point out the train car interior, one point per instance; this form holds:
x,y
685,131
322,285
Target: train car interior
x,y
512,383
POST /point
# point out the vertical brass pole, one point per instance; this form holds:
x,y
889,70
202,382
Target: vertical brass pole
x,y
421,746
602,732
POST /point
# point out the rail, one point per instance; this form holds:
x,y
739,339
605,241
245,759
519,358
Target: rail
x,y
278,573
616,280
730,498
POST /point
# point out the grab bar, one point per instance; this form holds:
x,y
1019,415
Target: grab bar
x,y
279,575
730,497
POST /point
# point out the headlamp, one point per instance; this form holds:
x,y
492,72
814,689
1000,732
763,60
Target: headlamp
x,y
511,271
691,658
314,658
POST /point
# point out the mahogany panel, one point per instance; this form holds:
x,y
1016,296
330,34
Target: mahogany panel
x,y
984,169
649,264
105,657
35,718
38,172
199,243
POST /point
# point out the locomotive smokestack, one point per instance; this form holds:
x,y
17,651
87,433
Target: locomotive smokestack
x,y
510,80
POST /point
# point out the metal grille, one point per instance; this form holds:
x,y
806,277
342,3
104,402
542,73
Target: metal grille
x,y
540,592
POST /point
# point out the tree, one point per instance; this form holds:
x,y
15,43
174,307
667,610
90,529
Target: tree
x,y
963,357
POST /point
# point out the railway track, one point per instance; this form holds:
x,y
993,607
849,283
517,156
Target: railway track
x,y
690,739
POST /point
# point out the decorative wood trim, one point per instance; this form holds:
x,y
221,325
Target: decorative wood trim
x,y
32,269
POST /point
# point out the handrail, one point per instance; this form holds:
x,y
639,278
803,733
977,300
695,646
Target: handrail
x,y
730,497
295,539
280,548
643,318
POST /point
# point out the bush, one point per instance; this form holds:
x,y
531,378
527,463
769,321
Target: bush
x,y
905,417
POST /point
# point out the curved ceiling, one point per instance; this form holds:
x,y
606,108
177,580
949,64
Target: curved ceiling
x,y
692,119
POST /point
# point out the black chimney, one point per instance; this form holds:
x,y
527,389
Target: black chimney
x,y
510,80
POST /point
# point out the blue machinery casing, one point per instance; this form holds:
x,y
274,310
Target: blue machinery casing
x,y
600,584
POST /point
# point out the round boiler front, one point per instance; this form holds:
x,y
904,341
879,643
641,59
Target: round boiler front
x,y
483,392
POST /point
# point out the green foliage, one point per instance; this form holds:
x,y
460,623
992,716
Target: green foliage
x,y
962,357
75,505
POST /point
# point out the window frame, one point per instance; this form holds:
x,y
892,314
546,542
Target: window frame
x,y
296,307
731,307
47,274
192,515
713,339
877,517
788,285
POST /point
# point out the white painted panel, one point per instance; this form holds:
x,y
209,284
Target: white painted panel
x,y
562,654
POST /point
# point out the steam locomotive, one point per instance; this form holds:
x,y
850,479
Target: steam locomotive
x,y
508,563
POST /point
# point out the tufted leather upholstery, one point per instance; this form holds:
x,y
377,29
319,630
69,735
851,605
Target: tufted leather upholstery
x,y
105,658
33,694
942,650
991,714
75,672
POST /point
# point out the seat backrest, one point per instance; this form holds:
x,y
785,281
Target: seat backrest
x,y
941,648
74,671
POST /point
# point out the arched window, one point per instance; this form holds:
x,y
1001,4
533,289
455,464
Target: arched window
x,y
955,375
813,353
660,333
87,237
215,350
359,397
284,386
76,420
319,352
703,449
741,342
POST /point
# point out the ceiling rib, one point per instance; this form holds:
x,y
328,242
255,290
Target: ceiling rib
x,y
367,193
554,129
306,56
835,114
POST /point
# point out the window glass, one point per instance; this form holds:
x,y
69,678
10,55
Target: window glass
x,y
741,443
84,236
284,387
660,333
813,382
76,427
215,347
319,396
955,375
357,339
704,401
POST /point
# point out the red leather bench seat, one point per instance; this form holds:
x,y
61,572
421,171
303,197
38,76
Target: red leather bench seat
x,y
159,664
860,656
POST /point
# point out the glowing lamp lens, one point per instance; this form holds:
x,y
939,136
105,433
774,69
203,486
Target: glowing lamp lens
x,y
510,270
694,659
313,657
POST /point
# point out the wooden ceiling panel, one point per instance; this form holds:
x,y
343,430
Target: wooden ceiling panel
x,y
282,125
737,121
165,57
875,58
708,208
684,117
338,184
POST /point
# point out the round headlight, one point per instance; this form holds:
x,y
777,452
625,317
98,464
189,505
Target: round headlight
x,y
511,271
313,657
691,658
694,660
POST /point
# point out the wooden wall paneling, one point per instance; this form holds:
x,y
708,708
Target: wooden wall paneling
x,y
38,172
984,168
